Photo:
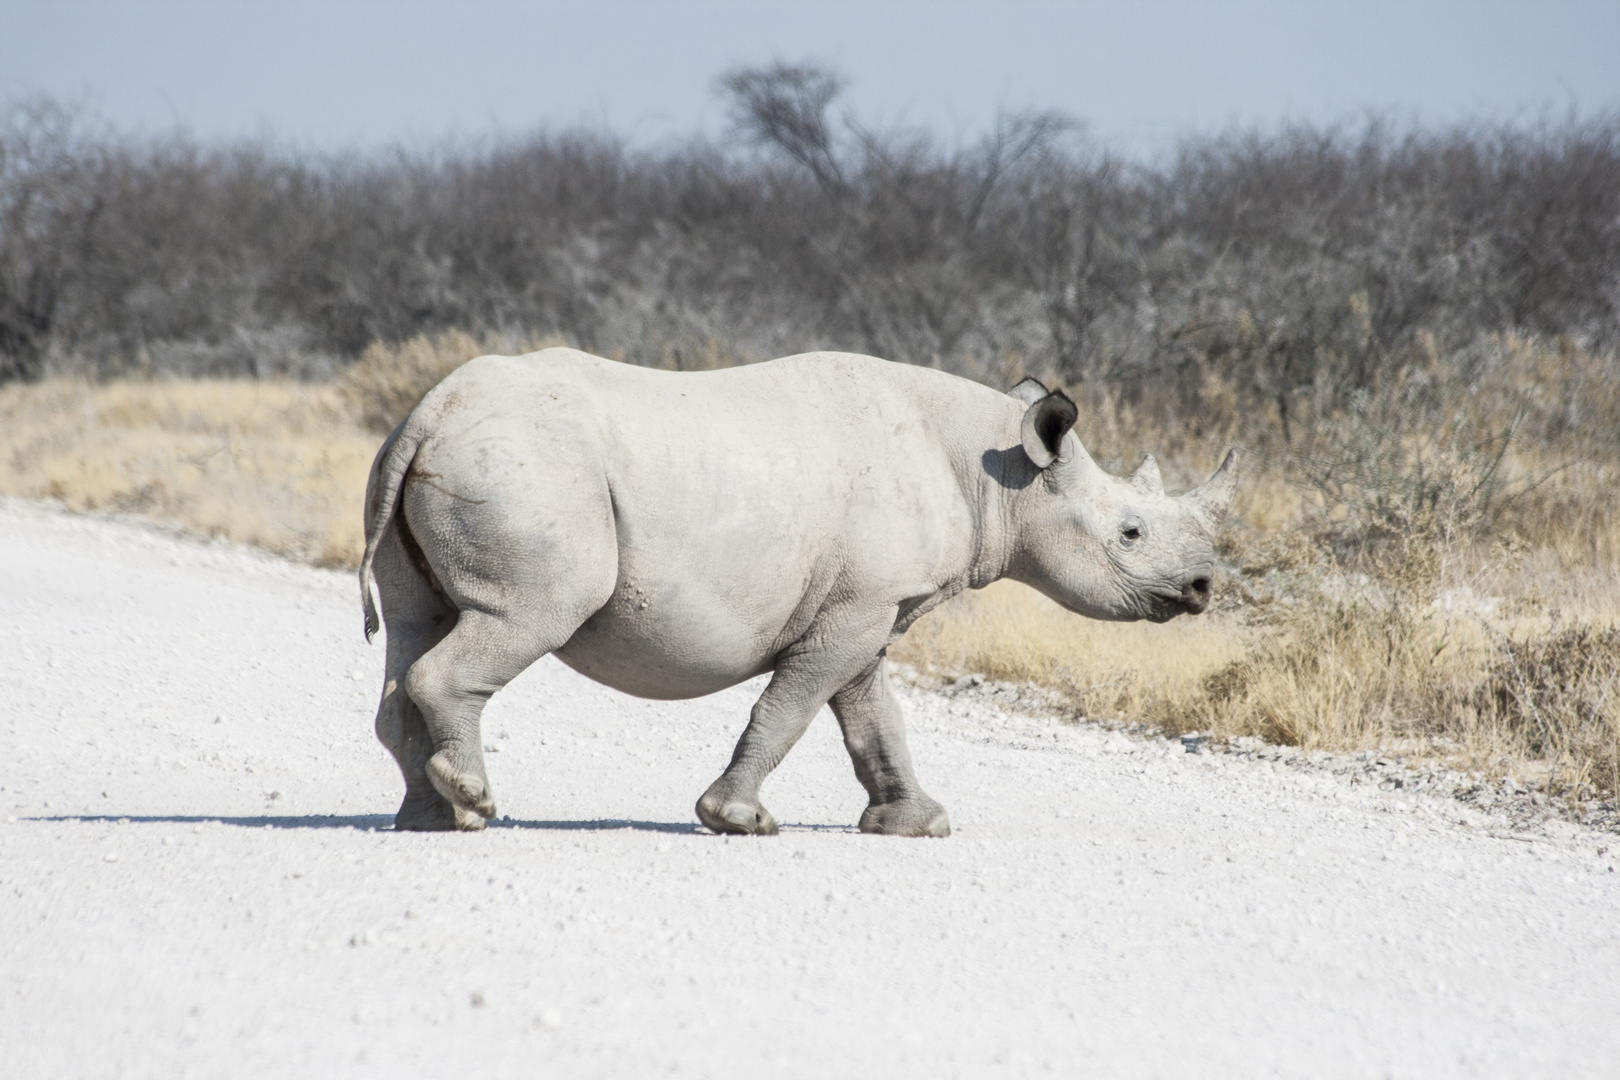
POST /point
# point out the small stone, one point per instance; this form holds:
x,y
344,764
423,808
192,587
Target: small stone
x,y
551,1020
109,857
478,999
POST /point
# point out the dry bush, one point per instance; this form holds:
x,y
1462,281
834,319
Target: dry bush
x,y
1304,262
1414,657
388,380
1559,691
1448,535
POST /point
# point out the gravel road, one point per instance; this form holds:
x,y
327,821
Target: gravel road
x,y
197,877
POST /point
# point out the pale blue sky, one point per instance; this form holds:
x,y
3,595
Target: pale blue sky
x,y
370,72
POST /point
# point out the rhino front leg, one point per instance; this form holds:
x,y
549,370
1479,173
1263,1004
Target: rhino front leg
x,y
779,717
806,675
875,736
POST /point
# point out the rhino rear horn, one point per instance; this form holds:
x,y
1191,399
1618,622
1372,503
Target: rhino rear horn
x,y
1146,477
1212,498
1046,422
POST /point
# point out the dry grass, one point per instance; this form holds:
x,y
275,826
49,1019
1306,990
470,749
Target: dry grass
x,y
1400,577
277,464
1012,633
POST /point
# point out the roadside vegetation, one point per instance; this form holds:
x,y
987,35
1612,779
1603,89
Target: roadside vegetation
x,y
1415,335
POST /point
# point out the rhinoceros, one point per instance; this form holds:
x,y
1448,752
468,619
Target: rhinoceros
x,y
670,534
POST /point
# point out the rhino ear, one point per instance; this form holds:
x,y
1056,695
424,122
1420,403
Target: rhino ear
x,y
1029,391
1146,478
1046,422
1211,498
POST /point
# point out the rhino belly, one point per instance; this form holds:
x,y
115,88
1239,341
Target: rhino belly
x,y
666,655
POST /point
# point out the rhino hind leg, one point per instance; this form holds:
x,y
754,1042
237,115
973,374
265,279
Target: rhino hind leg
x,y
423,808
417,619
875,736
453,682
524,568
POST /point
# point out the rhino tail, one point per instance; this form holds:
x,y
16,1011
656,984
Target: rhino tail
x,y
382,497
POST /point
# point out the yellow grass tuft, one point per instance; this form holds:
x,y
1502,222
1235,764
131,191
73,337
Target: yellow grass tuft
x,y
1010,632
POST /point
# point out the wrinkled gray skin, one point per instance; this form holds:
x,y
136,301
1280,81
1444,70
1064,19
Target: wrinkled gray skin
x,y
671,534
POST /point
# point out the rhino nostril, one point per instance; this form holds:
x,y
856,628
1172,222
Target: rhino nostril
x,y
1199,586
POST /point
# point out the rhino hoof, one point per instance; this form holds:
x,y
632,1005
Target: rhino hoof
x,y
736,817
466,821
430,812
468,792
911,817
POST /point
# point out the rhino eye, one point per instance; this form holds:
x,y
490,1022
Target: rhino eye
x,y
1131,533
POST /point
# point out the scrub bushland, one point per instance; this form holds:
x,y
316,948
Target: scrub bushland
x,y
1431,572
1414,332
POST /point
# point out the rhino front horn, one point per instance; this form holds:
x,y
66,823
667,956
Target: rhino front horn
x,y
1212,498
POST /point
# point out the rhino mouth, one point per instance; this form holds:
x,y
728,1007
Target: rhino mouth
x,y
1163,606
1167,605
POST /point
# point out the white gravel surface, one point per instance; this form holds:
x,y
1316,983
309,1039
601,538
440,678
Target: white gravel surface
x,y
197,877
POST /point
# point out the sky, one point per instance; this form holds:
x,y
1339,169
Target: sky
x,y
375,73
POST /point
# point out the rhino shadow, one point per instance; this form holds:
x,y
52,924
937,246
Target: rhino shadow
x,y
385,823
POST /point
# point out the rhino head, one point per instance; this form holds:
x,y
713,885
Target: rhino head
x,y
1104,546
